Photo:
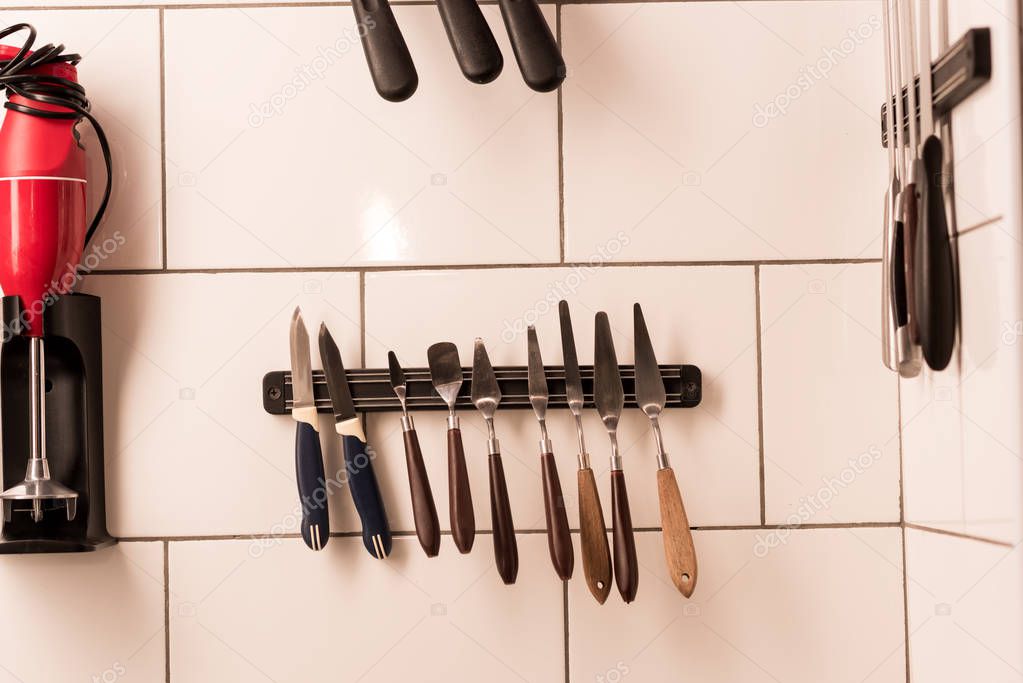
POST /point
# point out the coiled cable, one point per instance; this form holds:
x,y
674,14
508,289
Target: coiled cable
x,y
52,90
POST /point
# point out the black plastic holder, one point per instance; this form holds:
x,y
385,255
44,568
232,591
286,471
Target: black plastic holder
x,y
73,355
372,392
955,76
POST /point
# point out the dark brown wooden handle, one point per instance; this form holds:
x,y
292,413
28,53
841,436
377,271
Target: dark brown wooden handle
x,y
678,539
593,537
626,565
506,550
463,521
559,538
424,511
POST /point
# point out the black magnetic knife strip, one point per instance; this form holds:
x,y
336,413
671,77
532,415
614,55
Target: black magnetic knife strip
x,y
371,388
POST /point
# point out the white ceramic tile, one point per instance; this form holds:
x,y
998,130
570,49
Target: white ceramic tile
x,y
964,610
120,71
342,615
679,153
831,435
189,449
824,605
986,127
458,174
713,446
90,617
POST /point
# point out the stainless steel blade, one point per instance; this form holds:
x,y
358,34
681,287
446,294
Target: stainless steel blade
x,y
536,378
445,371
301,366
397,375
573,381
486,395
337,383
608,394
650,396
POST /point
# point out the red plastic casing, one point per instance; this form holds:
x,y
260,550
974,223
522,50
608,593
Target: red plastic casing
x,y
42,202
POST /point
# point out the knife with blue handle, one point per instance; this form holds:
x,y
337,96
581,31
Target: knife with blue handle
x,y
312,491
362,482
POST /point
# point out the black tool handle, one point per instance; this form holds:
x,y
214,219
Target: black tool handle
x,y
387,55
535,48
471,39
463,519
506,550
424,511
362,482
935,302
312,492
626,565
559,539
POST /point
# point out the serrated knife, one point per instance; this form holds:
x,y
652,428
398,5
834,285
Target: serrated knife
x,y
312,492
362,481
592,529
609,396
650,397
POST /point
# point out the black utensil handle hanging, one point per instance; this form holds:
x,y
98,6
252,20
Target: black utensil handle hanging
x,y
362,483
935,293
311,491
471,39
390,64
536,50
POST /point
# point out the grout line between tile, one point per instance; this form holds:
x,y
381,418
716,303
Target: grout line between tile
x,y
564,593
760,397
902,524
484,266
362,314
166,610
163,145
300,4
561,148
905,603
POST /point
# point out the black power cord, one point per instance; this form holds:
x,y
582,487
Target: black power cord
x,y
52,90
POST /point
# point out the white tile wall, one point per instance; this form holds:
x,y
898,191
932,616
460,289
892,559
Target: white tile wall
x,y
470,211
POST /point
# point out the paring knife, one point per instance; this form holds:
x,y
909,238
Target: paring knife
x,y
446,373
650,396
610,399
486,396
592,530
312,490
362,481
423,509
559,539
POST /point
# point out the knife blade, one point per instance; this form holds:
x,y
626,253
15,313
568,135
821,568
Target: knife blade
x,y
610,399
312,495
362,481
424,511
592,530
679,550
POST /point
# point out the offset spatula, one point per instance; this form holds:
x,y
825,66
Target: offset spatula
x,y
308,456
362,482
678,540
609,396
486,396
592,531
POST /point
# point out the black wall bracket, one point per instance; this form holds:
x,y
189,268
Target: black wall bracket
x,y
371,388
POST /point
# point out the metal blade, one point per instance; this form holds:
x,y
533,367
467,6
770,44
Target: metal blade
x,y
395,371
607,380
337,383
445,370
573,382
486,395
301,366
536,379
649,385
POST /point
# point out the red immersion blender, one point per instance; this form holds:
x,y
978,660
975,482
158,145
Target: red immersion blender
x,y
42,224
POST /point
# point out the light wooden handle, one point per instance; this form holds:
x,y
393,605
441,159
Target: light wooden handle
x,y
678,539
593,537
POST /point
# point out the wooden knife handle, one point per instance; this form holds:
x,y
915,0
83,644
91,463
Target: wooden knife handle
x,y
424,511
593,533
559,538
678,539
626,566
463,521
506,550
